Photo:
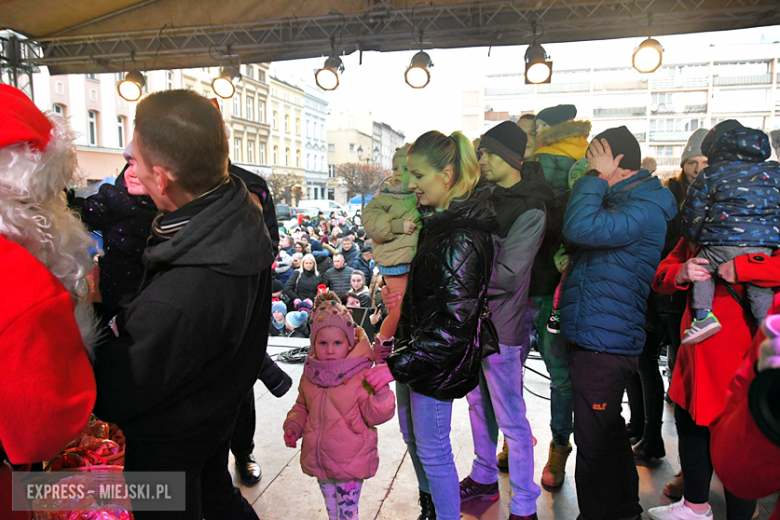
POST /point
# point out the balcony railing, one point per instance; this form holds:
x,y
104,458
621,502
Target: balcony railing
x,y
755,79
668,161
620,112
678,109
580,86
620,85
505,90
640,136
682,135
679,82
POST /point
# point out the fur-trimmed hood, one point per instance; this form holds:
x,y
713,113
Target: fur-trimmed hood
x,y
563,130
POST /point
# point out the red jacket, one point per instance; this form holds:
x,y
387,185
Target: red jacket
x,y
746,461
703,372
48,388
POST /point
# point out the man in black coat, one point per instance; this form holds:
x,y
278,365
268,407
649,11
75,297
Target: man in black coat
x,y
185,352
338,277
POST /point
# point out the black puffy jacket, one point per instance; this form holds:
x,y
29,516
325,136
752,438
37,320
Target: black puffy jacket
x,y
302,284
438,351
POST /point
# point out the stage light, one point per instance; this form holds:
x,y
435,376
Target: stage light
x,y
537,67
417,74
132,86
327,77
224,84
648,56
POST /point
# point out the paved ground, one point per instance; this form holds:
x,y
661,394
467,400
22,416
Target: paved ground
x,y
286,493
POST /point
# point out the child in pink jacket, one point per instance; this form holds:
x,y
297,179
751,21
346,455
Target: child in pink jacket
x,y
336,412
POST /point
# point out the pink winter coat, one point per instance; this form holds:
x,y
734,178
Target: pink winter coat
x,y
337,412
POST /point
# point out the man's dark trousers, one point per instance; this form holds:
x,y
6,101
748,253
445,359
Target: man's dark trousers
x,y
605,475
242,442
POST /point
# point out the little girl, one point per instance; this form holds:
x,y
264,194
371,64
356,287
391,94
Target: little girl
x,y
391,220
336,413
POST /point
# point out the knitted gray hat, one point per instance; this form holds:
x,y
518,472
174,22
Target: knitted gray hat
x,y
693,148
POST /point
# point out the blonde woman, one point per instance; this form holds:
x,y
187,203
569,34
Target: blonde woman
x,y
438,352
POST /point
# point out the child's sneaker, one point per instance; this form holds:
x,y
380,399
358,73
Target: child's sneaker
x,y
678,511
701,330
382,349
554,323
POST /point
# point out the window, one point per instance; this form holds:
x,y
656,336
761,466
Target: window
x,y
308,128
287,157
352,147
297,126
168,80
308,161
221,103
59,87
261,75
92,127
120,131
237,150
250,151
331,175
92,76
237,105
262,153
297,158
250,107
58,110
276,122
286,124
250,73
276,155
261,111
331,147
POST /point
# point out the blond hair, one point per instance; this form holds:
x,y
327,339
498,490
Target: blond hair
x,y
440,151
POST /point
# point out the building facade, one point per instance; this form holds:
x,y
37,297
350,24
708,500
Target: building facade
x,y
286,102
662,109
354,138
315,143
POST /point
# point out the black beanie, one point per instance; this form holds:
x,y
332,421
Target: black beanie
x,y
718,131
622,141
277,286
508,141
557,114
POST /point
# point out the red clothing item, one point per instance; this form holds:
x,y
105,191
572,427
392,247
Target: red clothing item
x,y
746,461
48,388
703,372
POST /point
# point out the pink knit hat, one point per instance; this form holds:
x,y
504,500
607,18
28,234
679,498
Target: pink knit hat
x,y
328,312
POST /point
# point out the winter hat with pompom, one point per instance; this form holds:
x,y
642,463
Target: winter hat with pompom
x,y
328,312
296,318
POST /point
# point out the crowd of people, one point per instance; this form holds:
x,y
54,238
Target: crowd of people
x,y
463,251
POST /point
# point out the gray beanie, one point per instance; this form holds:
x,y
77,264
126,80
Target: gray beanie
x,y
693,147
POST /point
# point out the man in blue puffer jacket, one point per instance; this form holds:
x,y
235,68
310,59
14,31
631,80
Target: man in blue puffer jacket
x,y
732,209
617,217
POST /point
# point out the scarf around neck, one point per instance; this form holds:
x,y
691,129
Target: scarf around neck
x,y
328,374
166,225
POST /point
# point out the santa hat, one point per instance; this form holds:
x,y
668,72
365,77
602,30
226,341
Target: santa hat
x,y
22,121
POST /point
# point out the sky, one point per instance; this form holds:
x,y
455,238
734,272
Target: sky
x,y
378,86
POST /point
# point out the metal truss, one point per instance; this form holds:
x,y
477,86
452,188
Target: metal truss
x,y
383,28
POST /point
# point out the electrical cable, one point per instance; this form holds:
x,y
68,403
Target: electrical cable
x,y
295,355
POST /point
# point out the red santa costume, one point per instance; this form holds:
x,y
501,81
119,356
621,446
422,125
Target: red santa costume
x,y
47,391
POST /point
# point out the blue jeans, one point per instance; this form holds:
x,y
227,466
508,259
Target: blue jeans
x,y
553,350
403,398
498,400
427,438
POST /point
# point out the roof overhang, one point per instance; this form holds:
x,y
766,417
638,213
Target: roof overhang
x,y
101,36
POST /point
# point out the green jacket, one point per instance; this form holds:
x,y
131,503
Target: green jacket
x,y
560,147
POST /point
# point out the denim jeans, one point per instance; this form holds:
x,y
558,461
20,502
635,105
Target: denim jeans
x,y
499,400
553,350
427,438
403,398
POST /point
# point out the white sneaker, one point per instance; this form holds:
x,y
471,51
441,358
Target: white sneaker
x,y
678,511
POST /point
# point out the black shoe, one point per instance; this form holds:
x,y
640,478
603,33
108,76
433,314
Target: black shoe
x,y
648,448
532,516
426,504
249,470
469,488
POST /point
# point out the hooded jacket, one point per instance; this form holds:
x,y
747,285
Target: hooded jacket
x,y
620,232
337,414
191,344
735,200
524,206
383,220
444,313
561,146
125,221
